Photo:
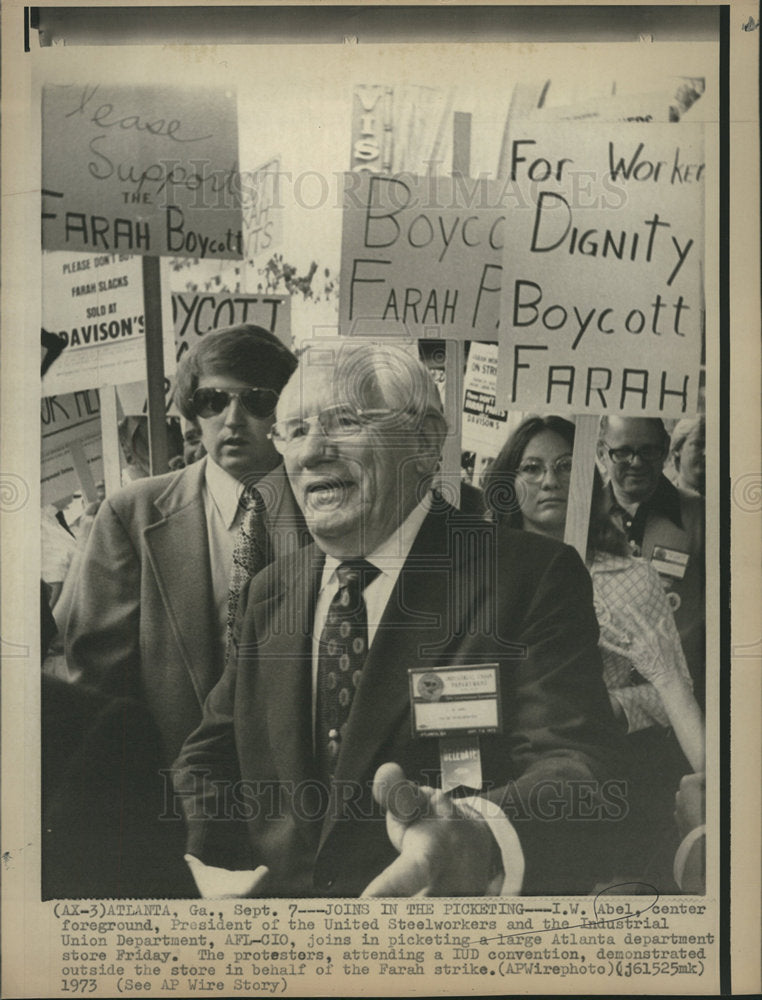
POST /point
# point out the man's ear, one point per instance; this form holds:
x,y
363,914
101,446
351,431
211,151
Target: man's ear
x,y
431,436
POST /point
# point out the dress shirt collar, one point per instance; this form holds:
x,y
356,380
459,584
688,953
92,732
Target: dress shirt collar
x,y
391,554
665,500
224,490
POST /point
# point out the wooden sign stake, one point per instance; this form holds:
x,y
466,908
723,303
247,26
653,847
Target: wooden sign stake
x,y
157,419
581,485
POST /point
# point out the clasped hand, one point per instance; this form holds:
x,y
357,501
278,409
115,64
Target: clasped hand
x,y
442,850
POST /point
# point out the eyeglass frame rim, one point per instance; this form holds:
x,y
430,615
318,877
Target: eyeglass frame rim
x,y
635,452
545,468
315,418
237,393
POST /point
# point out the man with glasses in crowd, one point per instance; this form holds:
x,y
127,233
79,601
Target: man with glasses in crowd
x,y
322,767
662,522
150,613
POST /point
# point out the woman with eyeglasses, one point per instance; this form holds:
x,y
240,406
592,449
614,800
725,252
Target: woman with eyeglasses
x,y
644,669
643,664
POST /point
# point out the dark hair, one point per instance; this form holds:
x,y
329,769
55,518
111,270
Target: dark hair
x,y
656,422
501,492
245,352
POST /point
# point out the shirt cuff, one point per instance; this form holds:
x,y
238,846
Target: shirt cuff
x,y
224,883
683,852
509,881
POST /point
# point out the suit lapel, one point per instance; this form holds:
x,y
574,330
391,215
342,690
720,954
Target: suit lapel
x,y
178,549
285,524
283,622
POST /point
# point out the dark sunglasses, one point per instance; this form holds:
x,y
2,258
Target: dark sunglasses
x,y
209,402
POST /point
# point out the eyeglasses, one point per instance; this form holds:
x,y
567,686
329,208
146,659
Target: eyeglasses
x,y
648,453
533,471
209,402
336,423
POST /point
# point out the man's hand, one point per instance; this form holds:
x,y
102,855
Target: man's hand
x,y
442,851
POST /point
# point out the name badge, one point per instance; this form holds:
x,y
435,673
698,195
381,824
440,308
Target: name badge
x,y
455,701
669,562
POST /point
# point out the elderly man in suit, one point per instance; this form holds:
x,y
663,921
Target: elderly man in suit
x,y
317,768
149,614
663,524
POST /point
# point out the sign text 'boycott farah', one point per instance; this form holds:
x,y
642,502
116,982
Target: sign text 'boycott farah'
x,y
602,306
421,256
146,170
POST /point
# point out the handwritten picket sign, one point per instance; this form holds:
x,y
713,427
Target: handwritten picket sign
x,y
421,256
602,308
141,170
262,209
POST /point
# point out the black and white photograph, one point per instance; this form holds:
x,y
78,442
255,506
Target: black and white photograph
x,y
389,459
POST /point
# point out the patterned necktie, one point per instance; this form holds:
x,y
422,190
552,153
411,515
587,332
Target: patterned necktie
x,y
343,647
249,552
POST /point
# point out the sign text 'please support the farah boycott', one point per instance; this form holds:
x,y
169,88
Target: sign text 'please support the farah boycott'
x,y
141,170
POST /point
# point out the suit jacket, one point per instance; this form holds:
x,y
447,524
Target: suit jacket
x,y
143,624
468,593
109,830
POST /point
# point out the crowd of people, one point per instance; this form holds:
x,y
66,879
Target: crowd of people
x,y
237,716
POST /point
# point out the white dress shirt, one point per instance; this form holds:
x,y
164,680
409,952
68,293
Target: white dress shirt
x,y
389,558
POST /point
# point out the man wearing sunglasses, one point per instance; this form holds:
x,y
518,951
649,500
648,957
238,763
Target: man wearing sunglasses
x,y
149,617
662,522
306,776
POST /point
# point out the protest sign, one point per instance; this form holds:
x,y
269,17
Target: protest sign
x,y
421,257
484,423
70,423
602,307
670,98
141,169
93,304
262,209
196,313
